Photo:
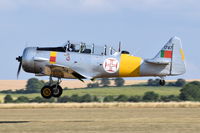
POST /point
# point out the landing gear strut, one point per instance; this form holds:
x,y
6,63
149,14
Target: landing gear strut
x,y
162,81
52,90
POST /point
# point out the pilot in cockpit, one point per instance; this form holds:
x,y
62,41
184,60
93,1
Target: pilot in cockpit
x,y
70,47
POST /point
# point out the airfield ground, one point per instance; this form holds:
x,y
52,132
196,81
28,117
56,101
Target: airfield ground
x,y
100,119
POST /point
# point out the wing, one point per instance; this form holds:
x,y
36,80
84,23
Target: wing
x,y
60,71
67,72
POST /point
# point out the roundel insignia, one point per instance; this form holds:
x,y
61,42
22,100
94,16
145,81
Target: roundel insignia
x,y
111,65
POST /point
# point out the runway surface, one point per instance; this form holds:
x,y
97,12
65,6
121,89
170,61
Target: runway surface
x,y
100,120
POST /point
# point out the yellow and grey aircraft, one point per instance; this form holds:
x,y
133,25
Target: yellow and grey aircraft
x,y
81,61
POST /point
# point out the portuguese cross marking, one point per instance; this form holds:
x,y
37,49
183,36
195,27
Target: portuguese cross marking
x,y
111,65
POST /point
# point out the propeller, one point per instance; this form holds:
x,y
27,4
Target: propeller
x,y
19,59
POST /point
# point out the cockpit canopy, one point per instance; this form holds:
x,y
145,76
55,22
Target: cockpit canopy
x,y
83,48
80,47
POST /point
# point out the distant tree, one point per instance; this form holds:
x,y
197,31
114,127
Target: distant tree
x,y
22,99
135,99
169,98
150,96
108,99
157,82
7,91
66,88
122,98
42,100
93,85
8,99
105,82
86,98
75,98
63,99
190,92
37,100
152,82
119,81
171,84
180,82
95,99
34,85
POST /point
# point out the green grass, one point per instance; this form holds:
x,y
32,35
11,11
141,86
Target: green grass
x,y
115,91
129,91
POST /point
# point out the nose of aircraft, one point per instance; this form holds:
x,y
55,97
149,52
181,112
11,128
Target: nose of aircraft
x,y
26,61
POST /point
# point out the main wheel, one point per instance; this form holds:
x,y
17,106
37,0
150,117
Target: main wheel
x,y
46,92
56,90
162,82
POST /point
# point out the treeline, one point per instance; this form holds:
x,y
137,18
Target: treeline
x,y
190,92
156,82
34,85
105,82
118,82
148,97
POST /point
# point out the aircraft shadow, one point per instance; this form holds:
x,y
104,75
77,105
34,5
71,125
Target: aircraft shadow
x,y
12,122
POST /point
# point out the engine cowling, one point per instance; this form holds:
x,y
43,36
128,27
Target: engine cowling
x,y
28,63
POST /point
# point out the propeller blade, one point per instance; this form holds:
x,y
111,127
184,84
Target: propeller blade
x,y
19,59
19,68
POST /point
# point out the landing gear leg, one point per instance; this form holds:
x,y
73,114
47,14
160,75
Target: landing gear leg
x,y
52,90
57,89
162,81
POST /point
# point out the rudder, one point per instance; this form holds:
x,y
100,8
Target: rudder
x,y
178,57
171,54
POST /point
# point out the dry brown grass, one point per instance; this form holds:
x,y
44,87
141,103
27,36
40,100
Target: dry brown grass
x,y
19,84
103,105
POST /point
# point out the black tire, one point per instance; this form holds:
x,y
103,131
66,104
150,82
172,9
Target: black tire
x,y
46,92
56,92
162,82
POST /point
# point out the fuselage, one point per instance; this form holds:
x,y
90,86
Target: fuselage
x,y
89,65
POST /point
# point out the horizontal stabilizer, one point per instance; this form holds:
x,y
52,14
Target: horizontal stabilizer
x,y
158,61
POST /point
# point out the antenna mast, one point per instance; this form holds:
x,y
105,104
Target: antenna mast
x,y
119,47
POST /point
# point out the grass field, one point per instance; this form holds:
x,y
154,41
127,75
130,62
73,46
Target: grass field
x,y
129,91
100,120
115,91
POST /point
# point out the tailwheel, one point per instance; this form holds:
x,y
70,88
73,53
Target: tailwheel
x,y
46,92
162,82
56,90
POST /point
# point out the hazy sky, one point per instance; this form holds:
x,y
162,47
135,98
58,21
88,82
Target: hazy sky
x,y
143,27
